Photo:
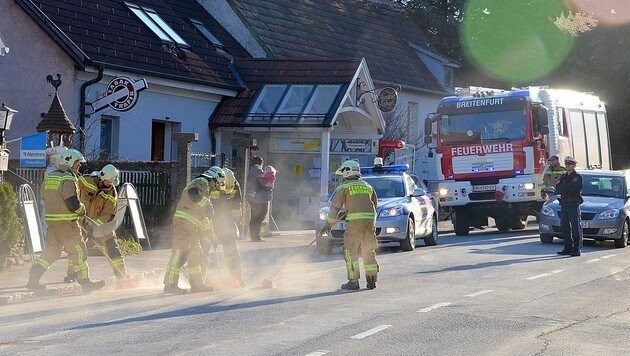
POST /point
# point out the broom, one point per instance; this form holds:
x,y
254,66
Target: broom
x,y
124,283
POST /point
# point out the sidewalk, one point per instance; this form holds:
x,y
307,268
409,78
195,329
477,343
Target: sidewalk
x,y
146,265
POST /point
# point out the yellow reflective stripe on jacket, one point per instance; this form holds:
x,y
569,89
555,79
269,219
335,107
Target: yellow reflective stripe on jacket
x,y
87,183
360,216
54,182
184,215
61,217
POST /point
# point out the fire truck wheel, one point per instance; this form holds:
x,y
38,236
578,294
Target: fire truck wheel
x,y
461,223
518,222
503,224
409,243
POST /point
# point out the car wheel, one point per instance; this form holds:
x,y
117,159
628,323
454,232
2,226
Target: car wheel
x,y
518,222
503,224
432,239
409,243
546,239
623,240
461,223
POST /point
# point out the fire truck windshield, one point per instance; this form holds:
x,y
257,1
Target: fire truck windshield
x,y
482,127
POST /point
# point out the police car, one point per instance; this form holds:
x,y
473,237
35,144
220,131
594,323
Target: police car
x,y
405,212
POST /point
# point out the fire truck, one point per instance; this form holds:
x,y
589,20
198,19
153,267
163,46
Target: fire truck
x,y
490,148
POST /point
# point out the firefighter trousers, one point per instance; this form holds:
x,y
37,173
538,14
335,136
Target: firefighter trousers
x,y
360,240
227,236
186,248
65,236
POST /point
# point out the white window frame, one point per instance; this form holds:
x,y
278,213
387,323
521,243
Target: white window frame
x,y
206,32
155,23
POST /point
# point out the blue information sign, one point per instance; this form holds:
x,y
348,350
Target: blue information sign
x,y
33,150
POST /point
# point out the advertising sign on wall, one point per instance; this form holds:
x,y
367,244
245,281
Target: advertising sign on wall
x,y
33,150
314,145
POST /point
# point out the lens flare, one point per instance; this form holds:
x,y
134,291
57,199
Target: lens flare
x,y
607,12
516,41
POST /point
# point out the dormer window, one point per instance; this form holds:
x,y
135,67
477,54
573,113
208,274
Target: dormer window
x,y
156,24
204,30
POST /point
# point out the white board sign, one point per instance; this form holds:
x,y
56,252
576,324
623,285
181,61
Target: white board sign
x,y
128,192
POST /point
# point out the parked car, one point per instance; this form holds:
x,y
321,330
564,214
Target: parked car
x,y
605,213
405,211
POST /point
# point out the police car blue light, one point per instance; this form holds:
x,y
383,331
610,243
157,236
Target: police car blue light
x,y
384,169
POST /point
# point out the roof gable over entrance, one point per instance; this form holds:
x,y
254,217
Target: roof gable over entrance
x,y
323,93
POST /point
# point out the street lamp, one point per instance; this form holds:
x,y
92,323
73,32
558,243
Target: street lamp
x,y
6,116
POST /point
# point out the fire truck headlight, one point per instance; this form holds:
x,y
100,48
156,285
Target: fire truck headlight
x,y
445,192
526,186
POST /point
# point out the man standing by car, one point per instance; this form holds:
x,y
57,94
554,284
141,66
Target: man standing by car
x,y
569,188
359,199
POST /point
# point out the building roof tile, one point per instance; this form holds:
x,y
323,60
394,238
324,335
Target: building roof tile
x,y
376,31
108,33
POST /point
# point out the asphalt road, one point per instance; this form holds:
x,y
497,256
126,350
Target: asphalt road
x,y
488,293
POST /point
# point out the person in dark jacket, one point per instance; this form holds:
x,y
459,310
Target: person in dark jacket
x,y
258,196
569,188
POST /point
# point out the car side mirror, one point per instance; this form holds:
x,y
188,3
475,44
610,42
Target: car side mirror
x,y
550,190
418,192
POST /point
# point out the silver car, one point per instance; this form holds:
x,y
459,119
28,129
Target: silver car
x,y
405,210
605,213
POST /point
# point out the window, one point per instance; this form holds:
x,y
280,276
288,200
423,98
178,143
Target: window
x,y
108,146
268,99
299,103
156,24
561,122
295,99
204,30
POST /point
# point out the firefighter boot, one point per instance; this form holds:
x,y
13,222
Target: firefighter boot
x,y
174,289
70,278
371,282
34,276
90,286
200,288
351,285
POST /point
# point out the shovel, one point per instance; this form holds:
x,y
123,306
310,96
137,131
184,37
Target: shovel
x,y
123,283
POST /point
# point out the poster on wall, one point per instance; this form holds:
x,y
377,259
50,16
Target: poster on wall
x,y
314,145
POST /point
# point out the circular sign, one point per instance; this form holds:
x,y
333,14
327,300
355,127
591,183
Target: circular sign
x,y
128,94
386,99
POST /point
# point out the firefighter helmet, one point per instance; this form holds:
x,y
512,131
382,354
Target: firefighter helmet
x,y
230,180
69,157
110,173
216,175
349,169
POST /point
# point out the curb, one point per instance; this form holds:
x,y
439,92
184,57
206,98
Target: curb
x,y
73,289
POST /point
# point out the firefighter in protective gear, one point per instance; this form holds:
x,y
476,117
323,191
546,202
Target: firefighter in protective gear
x,y
359,199
552,174
62,212
98,194
191,225
227,217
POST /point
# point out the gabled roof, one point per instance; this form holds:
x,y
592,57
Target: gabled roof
x,y
233,112
107,32
56,120
379,32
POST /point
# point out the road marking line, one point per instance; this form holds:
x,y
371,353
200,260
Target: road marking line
x,y
607,256
479,293
434,306
593,260
538,276
318,353
557,271
370,332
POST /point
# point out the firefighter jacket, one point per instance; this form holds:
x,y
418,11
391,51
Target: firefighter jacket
x,y
569,188
227,205
552,175
100,201
194,205
60,194
359,199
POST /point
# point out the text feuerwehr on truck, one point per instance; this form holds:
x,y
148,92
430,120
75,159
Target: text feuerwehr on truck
x,y
492,147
